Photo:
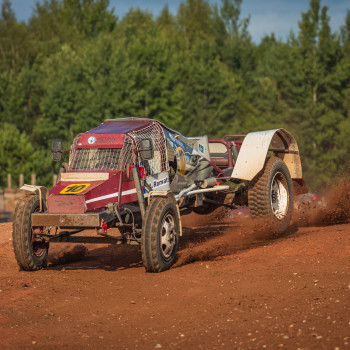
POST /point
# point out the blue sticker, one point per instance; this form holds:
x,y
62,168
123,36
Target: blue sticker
x,y
201,148
175,142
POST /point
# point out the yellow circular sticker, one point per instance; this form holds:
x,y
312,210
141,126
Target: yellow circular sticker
x,y
75,188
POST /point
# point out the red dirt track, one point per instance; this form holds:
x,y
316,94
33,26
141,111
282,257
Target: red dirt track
x,y
234,286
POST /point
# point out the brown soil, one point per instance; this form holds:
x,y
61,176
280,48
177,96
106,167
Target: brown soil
x,y
234,286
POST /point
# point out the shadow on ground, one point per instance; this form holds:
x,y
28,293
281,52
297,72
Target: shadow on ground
x,y
198,243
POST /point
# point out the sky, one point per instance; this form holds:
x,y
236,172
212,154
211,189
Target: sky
x,y
266,16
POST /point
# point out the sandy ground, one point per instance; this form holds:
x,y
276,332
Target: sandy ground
x,y
234,287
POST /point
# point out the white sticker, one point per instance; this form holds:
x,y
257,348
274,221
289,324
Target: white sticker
x,y
91,140
159,181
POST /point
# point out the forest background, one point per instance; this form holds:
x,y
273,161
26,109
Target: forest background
x,y
75,64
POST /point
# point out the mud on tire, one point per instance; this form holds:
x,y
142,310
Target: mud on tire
x,y
30,255
160,234
270,195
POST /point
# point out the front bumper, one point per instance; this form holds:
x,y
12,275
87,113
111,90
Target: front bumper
x,y
86,220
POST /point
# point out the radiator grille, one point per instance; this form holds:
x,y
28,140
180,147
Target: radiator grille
x,y
108,159
96,159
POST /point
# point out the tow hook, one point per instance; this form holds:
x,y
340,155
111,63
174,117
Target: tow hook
x,y
103,229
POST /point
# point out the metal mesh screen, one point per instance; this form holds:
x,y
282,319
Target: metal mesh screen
x,y
72,148
126,154
95,159
118,158
159,162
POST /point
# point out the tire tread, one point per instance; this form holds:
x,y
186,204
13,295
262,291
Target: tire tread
x,y
21,223
153,215
258,192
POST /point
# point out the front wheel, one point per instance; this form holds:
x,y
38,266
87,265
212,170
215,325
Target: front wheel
x,y
160,234
30,254
270,194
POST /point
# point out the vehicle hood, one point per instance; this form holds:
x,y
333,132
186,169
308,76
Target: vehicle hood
x,y
82,192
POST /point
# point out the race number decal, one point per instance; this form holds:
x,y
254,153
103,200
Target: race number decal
x,y
182,160
75,188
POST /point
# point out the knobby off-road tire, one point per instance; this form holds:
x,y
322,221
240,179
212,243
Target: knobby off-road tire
x,y
30,255
160,234
270,195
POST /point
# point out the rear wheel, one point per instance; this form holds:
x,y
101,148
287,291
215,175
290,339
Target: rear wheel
x,y
160,234
30,254
270,194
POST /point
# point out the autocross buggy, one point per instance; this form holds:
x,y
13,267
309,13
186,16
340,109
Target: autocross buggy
x,y
139,176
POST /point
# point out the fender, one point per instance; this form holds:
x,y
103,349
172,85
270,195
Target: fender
x,y
253,152
40,190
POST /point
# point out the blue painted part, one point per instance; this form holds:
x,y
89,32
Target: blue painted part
x,y
174,142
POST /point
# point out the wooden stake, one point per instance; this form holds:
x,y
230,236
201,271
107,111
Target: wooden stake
x,y
33,179
9,182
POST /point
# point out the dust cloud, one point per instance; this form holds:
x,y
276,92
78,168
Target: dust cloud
x,y
333,209
247,233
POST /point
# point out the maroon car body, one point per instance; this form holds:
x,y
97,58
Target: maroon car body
x,y
139,176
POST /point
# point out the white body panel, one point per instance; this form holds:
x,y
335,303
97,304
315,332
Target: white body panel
x,y
159,182
84,176
252,154
40,190
32,188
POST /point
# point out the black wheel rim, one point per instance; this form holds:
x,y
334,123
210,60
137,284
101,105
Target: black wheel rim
x,y
38,247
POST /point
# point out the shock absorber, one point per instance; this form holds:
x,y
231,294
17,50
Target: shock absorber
x,y
103,229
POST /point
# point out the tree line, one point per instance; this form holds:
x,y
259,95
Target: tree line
x,y
76,63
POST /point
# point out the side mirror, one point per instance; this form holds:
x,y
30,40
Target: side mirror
x,y
56,150
147,149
